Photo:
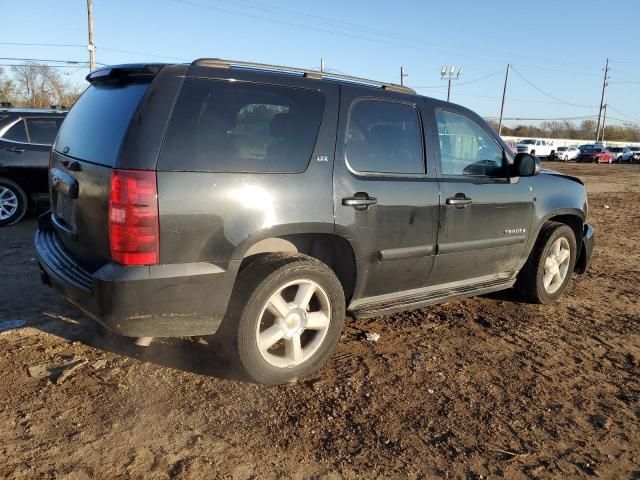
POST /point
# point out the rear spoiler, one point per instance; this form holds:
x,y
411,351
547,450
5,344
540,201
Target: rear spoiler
x,y
122,71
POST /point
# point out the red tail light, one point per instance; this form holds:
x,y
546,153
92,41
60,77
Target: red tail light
x,y
133,217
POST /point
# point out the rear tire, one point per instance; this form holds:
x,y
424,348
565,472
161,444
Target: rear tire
x,y
285,317
548,270
13,202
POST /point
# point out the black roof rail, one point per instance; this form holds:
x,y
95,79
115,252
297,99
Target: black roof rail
x,y
315,74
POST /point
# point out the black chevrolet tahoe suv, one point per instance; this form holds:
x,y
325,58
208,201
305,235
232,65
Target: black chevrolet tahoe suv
x,y
262,203
26,136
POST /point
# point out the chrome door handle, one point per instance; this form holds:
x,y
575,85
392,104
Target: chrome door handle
x,y
459,200
360,201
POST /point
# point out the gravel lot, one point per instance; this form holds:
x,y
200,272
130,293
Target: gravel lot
x,y
483,387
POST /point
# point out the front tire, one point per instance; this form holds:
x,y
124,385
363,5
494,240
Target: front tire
x,y
285,317
13,202
548,270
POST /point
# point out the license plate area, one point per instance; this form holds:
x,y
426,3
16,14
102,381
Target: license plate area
x,y
64,213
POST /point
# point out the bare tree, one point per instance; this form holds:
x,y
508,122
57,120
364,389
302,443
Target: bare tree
x,y
7,88
40,86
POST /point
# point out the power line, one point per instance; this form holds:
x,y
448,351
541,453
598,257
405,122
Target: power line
x,y
548,94
27,44
622,113
293,24
464,83
70,62
86,65
306,16
624,121
132,52
545,119
556,70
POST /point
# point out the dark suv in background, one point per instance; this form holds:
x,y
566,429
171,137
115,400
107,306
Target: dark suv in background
x,y
260,203
26,136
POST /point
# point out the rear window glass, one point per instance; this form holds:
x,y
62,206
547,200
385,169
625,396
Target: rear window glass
x,y
94,128
221,126
17,133
42,130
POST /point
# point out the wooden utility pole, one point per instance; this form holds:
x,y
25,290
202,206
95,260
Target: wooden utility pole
x,y
604,120
504,94
604,87
450,74
92,48
322,65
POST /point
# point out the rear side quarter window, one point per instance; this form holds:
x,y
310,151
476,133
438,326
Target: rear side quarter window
x,y
42,130
17,133
223,126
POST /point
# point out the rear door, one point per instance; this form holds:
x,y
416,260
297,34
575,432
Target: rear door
x,y
484,216
85,152
25,146
385,200
41,132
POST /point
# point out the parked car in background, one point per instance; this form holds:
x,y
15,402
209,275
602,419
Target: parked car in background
x,y
636,154
512,146
262,203
565,153
532,146
621,154
594,154
26,136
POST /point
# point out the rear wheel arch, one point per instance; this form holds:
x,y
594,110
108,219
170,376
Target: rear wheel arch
x,y
332,250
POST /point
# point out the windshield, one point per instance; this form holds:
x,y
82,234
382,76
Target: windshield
x,y
615,149
562,149
528,142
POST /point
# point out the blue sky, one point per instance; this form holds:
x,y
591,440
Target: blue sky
x,y
558,46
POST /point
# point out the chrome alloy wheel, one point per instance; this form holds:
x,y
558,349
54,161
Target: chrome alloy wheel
x,y
8,203
293,323
556,265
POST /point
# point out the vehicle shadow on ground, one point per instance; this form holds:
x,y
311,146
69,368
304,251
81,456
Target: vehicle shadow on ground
x,y
199,355
508,295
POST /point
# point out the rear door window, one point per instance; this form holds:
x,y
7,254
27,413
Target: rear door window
x,y
94,128
222,126
17,133
384,137
42,130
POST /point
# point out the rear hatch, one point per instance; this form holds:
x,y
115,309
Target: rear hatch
x,y
84,154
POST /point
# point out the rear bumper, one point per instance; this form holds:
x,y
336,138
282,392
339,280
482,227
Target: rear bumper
x,y
146,301
588,239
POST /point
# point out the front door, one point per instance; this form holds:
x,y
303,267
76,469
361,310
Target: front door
x,y
385,201
484,216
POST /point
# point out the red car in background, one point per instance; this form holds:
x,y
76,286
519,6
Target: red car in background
x,y
594,154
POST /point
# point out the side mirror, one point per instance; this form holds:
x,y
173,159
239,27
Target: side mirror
x,y
526,165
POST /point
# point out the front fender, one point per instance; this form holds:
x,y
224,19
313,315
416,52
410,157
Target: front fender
x,y
554,196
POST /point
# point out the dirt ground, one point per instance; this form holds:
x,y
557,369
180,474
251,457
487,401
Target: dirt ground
x,y
486,387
